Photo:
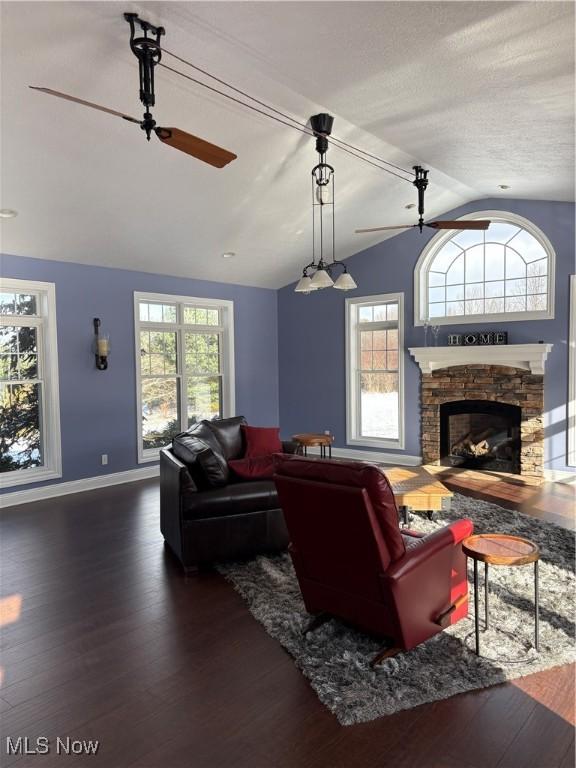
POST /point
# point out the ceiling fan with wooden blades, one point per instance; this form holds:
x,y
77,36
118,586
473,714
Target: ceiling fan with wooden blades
x,y
148,52
421,183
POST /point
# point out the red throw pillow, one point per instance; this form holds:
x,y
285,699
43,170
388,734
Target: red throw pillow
x,y
261,441
257,467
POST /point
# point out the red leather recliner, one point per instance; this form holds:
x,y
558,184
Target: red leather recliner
x,y
353,561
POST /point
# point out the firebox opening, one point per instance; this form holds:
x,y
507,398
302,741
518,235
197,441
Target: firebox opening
x,y
480,434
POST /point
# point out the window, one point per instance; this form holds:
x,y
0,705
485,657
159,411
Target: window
x,y
29,406
184,364
572,376
375,365
503,273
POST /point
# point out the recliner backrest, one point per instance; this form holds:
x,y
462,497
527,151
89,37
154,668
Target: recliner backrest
x,y
335,537
355,474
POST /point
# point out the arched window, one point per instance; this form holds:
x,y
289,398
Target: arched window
x,y
503,273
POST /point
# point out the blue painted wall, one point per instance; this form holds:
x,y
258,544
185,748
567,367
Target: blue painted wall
x,y
312,337
289,348
98,409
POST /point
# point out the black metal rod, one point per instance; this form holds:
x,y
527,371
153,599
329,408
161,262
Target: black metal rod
x,y
476,616
536,607
486,621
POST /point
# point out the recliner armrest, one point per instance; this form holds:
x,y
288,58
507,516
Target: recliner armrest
x,y
427,547
421,587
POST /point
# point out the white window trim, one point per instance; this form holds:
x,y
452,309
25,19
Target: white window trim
x,y
436,242
48,359
228,376
352,389
572,376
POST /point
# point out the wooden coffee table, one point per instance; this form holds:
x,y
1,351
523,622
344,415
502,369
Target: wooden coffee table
x,y
308,439
415,490
500,549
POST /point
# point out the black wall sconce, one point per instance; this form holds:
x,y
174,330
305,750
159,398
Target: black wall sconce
x,y
101,346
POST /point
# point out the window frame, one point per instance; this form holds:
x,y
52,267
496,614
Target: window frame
x,y
353,394
422,268
47,341
226,331
571,437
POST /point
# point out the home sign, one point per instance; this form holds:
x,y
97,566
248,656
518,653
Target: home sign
x,y
477,338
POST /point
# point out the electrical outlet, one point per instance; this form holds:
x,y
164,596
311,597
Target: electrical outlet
x,y
104,459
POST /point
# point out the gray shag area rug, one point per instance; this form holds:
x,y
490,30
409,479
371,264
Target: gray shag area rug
x,y
335,658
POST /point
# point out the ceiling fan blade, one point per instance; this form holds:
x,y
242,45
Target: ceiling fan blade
x,y
85,103
198,148
383,229
462,224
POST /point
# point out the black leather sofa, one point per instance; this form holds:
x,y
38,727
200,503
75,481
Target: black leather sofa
x,y
206,513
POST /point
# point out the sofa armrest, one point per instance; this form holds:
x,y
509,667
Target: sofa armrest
x,y
174,480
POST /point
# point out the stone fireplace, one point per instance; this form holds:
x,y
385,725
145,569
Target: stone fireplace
x,y
481,412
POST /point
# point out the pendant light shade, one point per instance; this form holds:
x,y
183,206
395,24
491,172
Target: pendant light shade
x,y
304,285
345,282
322,279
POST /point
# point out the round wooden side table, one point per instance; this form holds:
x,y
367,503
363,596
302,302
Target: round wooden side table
x,y
308,439
500,549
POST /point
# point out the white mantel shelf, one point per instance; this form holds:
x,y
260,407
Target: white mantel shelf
x,y
531,357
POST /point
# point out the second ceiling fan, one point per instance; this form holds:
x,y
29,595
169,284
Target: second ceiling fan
x,y
421,183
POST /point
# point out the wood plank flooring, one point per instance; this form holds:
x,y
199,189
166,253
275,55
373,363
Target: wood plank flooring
x,y
105,639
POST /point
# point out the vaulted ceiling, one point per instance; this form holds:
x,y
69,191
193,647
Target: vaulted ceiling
x,y
482,93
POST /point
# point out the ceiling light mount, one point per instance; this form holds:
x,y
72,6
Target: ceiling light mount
x,y
319,272
8,213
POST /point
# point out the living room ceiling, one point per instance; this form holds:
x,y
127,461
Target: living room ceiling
x,y
482,93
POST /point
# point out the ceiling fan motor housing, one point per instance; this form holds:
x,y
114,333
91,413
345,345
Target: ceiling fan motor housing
x,y
148,52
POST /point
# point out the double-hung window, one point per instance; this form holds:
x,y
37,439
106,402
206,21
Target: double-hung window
x,y
375,370
184,364
29,399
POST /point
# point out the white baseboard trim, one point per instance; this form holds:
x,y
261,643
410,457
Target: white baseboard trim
x,y
401,459
76,486
560,476
142,473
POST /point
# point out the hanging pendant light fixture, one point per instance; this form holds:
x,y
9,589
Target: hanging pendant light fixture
x,y
318,273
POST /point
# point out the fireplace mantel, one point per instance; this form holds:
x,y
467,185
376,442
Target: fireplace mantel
x,y
531,357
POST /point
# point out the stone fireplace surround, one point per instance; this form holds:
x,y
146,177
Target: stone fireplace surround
x,y
450,374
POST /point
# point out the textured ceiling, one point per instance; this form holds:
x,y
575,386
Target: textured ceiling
x,y
482,93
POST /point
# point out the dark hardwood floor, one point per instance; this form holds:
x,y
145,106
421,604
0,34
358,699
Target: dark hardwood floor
x,y
104,638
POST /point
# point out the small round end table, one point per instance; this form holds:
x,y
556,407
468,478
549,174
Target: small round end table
x,y
500,549
308,439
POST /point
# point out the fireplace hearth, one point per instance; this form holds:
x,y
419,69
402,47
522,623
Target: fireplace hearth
x,y
480,434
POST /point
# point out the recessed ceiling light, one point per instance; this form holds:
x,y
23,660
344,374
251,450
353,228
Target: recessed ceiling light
x,y
8,213
228,255
504,186
409,206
